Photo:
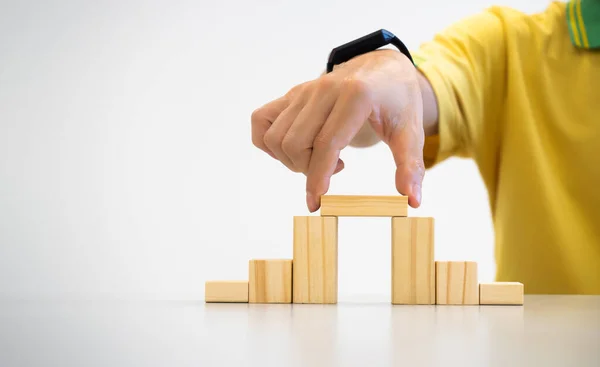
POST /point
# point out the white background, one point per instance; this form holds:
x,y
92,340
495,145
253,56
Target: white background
x,y
126,165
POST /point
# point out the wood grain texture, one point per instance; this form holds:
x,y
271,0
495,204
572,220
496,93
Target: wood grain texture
x,y
364,206
315,274
501,293
456,283
413,270
226,291
270,281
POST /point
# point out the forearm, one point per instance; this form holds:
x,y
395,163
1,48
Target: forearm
x,y
367,137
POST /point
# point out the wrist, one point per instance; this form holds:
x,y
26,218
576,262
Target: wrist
x,y
430,107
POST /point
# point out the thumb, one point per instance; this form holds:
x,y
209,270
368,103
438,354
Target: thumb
x,y
406,144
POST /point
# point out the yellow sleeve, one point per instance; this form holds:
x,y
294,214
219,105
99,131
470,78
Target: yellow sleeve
x,y
466,65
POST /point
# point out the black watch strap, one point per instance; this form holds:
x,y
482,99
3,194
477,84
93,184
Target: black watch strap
x,y
365,44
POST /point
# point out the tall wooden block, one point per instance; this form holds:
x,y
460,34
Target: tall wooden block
x,y
413,270
364,206
270,281
501,293
456,283
315,278
226,291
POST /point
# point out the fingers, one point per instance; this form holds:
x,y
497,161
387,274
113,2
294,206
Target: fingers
x,y
297,144
263,118
286,128
308,127
406,144
349,113
274,137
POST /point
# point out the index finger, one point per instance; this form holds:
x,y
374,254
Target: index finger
x,y
345,120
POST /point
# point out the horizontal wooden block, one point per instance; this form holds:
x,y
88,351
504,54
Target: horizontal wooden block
x,y
315,267
413,270
226,291
270,281
364,206
501,293
456,283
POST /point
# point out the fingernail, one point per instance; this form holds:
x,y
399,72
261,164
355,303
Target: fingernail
x,y
310,202
416,189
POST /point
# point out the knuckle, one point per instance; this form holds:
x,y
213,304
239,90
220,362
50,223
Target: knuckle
x,y
414,168
299,156
257,141
289,145
256,116
357,88
418,165
322,141
271,139
295,91
325,84
420,169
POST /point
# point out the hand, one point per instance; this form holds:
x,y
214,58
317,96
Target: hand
x,y
307,128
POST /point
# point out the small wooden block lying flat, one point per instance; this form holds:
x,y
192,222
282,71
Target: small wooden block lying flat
x,y
270,281
315,267
456,283
501,293
364,206
413,270
226,291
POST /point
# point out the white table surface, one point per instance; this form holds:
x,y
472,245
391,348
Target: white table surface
x,y
546,331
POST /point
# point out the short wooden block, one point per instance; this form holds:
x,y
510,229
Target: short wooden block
x,y
226,291
270,281
315,274
456,283
501,293
364,206
413,270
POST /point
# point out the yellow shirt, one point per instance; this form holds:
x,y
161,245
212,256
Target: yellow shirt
x,y
519,97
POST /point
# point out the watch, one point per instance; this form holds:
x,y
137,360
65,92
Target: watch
x,y
365,44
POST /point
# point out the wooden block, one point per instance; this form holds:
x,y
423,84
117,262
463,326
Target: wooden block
x,y
456,283
315,274
501,293
364,206
226,291
413,268
270,281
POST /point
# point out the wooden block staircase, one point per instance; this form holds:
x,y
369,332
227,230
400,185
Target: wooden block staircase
x,y
312,275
